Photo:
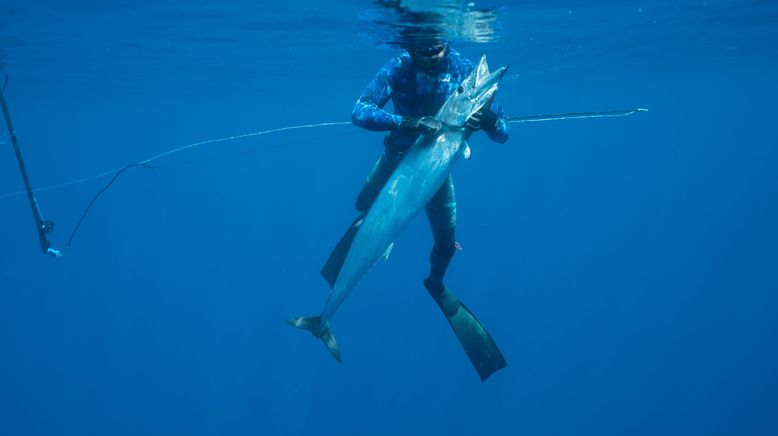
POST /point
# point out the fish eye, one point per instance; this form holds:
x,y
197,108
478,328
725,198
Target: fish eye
x,y
460,90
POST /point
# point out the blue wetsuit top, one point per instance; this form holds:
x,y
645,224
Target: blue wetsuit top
x,y
415,93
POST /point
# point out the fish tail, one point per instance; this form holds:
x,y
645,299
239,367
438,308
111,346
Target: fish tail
x,y
320,330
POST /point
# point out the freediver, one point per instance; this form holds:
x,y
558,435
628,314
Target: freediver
x,y
430,84
418,82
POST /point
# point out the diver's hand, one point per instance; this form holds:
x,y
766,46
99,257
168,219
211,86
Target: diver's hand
x,y
484,119
424,125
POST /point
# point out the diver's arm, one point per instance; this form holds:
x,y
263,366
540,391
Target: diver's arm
x,y
500,131
368,113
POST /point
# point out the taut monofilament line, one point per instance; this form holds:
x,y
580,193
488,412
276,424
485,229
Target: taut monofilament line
x,y
575,116
44,226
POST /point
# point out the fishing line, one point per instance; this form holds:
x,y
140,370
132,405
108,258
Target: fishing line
x,y
253,151
147,164
175,151
174,164
94,199
520,119
45,226
575,116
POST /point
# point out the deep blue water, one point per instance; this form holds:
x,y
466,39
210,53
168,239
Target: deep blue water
x,y
628,267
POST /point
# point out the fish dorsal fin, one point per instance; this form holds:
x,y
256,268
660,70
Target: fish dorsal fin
x,y
482,71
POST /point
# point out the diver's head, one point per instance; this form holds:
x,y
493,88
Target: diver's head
x,y
428,56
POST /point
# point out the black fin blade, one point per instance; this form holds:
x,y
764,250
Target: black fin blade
x,y
478,344
334,264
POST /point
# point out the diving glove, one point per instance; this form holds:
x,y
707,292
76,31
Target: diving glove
x,y
484,119
424,125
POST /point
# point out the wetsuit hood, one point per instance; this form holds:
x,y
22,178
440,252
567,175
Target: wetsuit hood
x,y
430,56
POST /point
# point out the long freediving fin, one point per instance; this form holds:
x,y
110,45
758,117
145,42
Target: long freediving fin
x,y
478,344
320,330
334,263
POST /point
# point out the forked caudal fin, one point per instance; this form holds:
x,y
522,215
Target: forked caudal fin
x,y
321,330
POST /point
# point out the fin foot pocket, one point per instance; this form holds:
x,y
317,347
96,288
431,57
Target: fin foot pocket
x,y
447,301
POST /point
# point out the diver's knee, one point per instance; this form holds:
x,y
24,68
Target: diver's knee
x,y
442,214
446,248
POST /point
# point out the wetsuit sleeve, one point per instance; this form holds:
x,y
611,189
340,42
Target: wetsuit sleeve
x,y
502,129
368,112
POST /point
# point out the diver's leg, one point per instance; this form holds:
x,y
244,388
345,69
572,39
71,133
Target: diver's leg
x,y
475,339
375,181
442,215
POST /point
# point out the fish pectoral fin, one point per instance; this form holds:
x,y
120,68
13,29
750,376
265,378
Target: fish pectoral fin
x,y
388,252
466,150
334,263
